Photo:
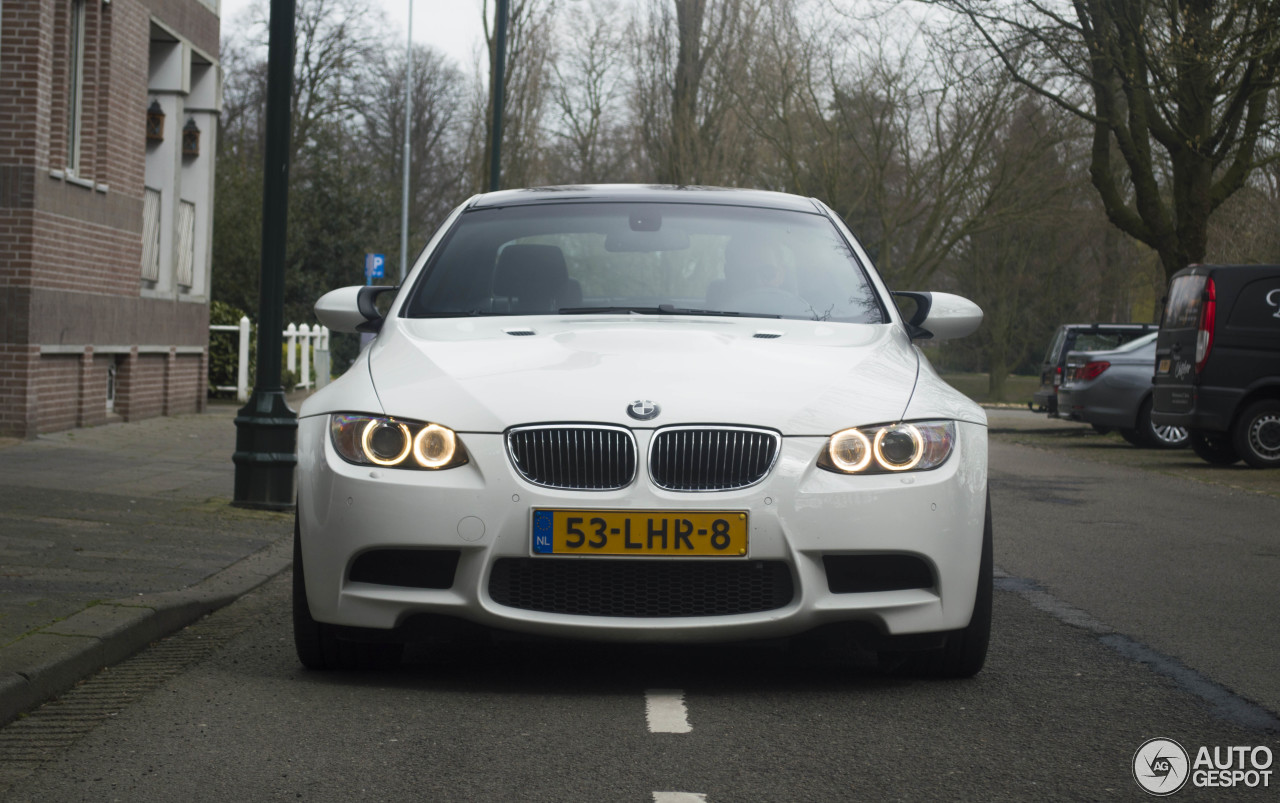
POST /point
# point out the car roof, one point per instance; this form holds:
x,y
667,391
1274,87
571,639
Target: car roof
x,y
646,193
1101,326
1136,344
1243,270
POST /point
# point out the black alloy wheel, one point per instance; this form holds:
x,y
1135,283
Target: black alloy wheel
x,y
1257,434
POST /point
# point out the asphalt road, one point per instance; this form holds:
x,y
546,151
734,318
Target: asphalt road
x,y
1133,606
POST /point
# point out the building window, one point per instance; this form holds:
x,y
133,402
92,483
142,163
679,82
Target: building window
x,y
75,88
111,387
185,273
151,235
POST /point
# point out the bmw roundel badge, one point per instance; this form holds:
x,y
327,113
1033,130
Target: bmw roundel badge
x,y
643,410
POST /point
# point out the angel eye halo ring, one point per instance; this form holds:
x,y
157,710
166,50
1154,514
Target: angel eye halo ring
x,y
889,448
385,443
370,440
434,446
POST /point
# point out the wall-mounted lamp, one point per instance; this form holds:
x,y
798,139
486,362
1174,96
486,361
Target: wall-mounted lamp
x,y
191,138
155,122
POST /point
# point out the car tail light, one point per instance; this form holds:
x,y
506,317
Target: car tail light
x,y
1208,314
1091,370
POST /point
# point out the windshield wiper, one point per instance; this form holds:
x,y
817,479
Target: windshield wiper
x,y
470,313
610,310
671,310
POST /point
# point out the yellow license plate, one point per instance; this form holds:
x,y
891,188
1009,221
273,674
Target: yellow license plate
x,y
665,533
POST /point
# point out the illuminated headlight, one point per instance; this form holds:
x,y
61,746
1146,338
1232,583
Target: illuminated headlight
x,y
375,441
913,446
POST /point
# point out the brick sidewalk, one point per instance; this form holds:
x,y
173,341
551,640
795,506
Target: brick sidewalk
x,y
111,535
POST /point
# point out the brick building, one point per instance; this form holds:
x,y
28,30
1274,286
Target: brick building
x,y
108,113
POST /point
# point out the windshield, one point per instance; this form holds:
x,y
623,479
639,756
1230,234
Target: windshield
x,y
1134,345
645,258
1055,347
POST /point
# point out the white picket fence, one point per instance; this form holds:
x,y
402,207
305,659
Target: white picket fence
x,y
300,342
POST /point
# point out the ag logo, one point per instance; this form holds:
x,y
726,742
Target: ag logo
x,y
1273,300
1161,766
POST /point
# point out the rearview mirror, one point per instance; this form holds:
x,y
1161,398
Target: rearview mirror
x,y
629,241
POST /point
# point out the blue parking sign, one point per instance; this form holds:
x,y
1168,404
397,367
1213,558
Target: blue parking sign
x,y
374,265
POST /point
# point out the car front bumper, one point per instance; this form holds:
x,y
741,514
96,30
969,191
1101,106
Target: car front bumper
x,y
799,516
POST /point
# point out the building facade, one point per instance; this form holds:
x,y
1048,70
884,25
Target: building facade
x,y
108,114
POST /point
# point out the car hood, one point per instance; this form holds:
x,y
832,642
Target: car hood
x,y
487,374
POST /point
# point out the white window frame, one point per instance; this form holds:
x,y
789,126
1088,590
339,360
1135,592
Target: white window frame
x,y
75,88
152,198
185,259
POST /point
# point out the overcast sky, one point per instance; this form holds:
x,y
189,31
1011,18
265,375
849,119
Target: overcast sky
x,y
451,26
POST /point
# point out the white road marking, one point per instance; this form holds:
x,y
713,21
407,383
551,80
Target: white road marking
x,y
679,797
666,711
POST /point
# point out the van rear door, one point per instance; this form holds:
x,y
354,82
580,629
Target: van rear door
x,y
1186,335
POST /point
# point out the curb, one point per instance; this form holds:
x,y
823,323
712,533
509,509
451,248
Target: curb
x,y
44,664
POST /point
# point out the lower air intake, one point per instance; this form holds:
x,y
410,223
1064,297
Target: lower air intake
x,y
640,588
856,574
409,568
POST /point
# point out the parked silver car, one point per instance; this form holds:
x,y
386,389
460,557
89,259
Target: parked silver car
x,y
1112,390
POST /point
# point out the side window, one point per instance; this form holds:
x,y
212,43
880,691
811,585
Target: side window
x,y
1098,341
1055,347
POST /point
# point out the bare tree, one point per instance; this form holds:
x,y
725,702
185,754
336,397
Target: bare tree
x,y
1026,274
437,175
898,140
686,56
1179,88
333,40
241,125
588,94
528,65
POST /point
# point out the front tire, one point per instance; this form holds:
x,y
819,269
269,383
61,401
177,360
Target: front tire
x,y
1213,447
1257,434
317,643
966,650
1133,438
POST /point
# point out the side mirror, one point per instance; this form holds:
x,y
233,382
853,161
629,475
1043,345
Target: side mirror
x,y
352,309
941,316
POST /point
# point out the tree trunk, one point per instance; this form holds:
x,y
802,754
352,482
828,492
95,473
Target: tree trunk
x,y
682,161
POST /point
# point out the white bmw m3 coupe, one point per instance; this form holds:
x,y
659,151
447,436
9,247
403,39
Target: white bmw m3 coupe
x,y
644,414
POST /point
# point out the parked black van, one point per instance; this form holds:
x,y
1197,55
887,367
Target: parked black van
x,y
1218,362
